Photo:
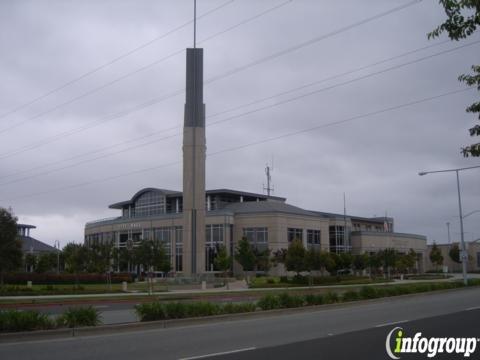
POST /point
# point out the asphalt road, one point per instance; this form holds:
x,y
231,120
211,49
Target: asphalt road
x,y
370,343
356,329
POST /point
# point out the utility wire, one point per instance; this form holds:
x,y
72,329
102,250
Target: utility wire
x,y
137,71
110,62
285,101
395,57
228,73
263,141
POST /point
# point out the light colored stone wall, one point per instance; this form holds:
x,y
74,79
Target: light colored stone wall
x,y
278,225
473,248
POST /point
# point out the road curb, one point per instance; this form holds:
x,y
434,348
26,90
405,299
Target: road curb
x,y
172,323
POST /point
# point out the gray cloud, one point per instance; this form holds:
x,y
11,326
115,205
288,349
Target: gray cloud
x,y
374,160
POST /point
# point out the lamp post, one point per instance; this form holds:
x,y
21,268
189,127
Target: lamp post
x,y
448,230
464,252
56,244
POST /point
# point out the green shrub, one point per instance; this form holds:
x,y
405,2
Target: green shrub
x,y
290,301
350,295
331,297
197,309
16,320
368,292
270,281
268,302
150,311
232,308
79,316
175,310
312,299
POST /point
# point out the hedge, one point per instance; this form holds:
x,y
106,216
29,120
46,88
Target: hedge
x,y
176,310
28,320
79,316
52,279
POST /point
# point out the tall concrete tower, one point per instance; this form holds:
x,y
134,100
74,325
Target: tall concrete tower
x,y
194,147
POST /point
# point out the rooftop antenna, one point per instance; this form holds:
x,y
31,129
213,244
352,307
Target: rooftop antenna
x,y
268,172
346,232
194,24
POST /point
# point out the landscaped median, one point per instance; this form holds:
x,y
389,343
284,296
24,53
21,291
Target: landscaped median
x,y
17,320
178,310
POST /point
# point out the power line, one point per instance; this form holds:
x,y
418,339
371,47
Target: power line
x,y
395,57
263,141
254,110
137,71
228,73
110,62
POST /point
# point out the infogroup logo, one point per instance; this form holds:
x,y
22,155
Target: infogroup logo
x,y
429,346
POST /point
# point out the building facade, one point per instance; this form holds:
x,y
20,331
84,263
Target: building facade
x,y
266,221
473,262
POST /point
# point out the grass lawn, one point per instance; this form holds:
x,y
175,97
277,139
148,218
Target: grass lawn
x,y
279,282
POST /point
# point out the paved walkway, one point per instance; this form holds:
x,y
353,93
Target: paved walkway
x,y
234,287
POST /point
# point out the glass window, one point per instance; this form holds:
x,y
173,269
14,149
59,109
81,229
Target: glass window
x,y
337,241
257,236
178,248
294,234
150,203
214,239
313,238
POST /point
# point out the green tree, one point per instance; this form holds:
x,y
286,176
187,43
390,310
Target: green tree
x,y
360,262
223,261
332,263
30,262
313,262
454,253
463,18
99,258
10,244
46,262
76,259
346,260
389,260
244,255
263,260
161,260
374,262
436,256
295,258
402,263
411,259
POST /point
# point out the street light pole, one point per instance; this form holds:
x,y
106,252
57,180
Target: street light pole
x,y
462,235
448,232
463,256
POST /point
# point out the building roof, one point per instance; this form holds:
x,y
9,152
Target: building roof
x,y
26,226
379,220
174,193
30,244
249,207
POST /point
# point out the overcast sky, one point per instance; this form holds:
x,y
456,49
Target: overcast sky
x,y
69,154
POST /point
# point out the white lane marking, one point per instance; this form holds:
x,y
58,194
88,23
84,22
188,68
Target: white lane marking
x,y
473,308
391,323
218,354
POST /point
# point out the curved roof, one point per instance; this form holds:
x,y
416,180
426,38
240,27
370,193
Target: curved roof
x,y
121,204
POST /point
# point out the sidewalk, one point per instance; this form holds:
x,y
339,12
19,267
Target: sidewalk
x,y
235,287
